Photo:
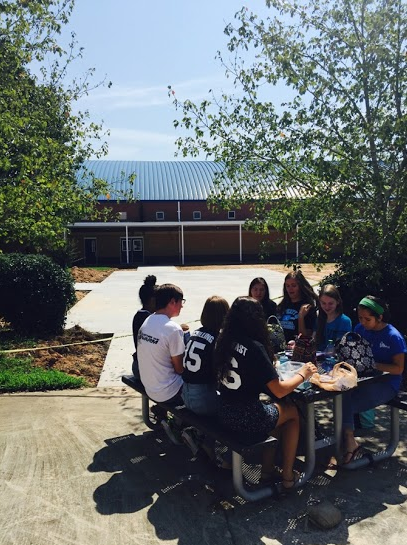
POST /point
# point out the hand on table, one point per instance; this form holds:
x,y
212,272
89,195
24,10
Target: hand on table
x,y
308,370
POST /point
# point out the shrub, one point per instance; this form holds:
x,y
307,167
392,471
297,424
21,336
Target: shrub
x,y
35,293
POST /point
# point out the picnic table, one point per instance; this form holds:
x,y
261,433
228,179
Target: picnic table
x,y
309,397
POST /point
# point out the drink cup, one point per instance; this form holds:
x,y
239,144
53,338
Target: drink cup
x,y
187,333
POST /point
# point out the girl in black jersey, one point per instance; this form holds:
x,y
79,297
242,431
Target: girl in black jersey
x,y
243,360
199,390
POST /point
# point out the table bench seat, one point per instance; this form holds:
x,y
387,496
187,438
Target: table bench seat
x,y
400,401
240,445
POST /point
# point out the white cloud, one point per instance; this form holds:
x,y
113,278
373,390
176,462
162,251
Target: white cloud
x,y
125,97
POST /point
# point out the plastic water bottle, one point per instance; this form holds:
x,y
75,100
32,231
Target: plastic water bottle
x,y
330,358
330,349
283,368
283,360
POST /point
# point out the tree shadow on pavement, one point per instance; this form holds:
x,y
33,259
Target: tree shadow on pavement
x,y
189,500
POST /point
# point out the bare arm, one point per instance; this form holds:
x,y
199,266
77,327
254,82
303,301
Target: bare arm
x,y
396,367
281,388
177,363
304,310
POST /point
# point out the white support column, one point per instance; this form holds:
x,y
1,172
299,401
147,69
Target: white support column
x,y
240,243
127,245
182,245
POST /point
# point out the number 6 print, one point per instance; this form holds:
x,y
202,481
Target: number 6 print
x,y
233,380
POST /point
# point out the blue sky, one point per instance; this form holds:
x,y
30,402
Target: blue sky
x,y
143,46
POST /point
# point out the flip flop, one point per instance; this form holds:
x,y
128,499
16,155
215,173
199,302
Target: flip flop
x,y
291,482
353,454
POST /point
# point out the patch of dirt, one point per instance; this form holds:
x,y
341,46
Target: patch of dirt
x,y
83,274
82,358
310,271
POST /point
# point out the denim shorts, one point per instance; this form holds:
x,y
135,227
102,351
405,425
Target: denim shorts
x,y
200,398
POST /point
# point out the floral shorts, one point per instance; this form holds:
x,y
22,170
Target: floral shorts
x,y
254,419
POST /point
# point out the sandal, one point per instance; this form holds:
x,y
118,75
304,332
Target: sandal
x,y
291,482
352,455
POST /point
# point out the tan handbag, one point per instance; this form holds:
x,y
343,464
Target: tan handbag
x,y
342,377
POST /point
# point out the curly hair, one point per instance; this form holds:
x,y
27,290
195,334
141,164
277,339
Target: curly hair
x,y
245,319
307,292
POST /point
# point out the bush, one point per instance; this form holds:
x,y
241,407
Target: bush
x,y
383,280
35,293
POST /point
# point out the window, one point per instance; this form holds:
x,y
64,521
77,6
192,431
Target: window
x,y
122,216
231,215
196,215
159,216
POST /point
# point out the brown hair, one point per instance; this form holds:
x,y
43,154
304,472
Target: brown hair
x,y
307,293
330,291
213,313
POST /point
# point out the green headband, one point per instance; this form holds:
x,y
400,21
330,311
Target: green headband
x,y
369,303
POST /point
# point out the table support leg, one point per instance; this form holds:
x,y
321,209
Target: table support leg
x,y
251,495
338,427
310,443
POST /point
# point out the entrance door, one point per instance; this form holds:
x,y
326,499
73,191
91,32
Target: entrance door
x,y
90,251
136,250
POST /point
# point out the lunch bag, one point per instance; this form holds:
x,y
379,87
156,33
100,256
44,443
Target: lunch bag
x,y
356,351
305,349
276,333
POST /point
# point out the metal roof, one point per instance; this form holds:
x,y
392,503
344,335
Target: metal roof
x,y
161,180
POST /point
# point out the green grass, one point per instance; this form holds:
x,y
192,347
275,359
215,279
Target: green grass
x,y
19,375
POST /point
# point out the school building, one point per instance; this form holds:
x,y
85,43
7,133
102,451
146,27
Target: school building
x,y
169,221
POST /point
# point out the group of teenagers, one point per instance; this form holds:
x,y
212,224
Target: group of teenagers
x,y
229,361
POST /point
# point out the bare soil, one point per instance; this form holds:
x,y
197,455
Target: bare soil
x,y
311,273
77,355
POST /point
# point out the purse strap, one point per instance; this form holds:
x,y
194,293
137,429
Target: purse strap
x,y
352,336
276,320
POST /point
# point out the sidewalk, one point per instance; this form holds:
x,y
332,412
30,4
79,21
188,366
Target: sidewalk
x,y
79,467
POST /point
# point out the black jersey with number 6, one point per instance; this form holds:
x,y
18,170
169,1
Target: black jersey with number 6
x,y
198,358
250,370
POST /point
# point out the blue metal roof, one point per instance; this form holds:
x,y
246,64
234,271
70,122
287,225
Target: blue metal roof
x,y
162,180
159,180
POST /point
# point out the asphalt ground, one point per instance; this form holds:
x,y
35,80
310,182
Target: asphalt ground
x,y
79,467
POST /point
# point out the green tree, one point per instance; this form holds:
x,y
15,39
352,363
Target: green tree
x,y
43,143
338,139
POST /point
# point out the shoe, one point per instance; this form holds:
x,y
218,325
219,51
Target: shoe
x,y
173,434
189,438
288,484
158,412
352,455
